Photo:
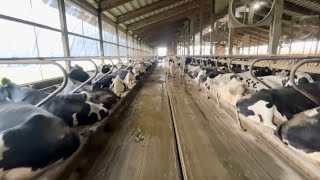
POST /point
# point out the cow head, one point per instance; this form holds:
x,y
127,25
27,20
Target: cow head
x,y
104,68
77,73
3,91
14,92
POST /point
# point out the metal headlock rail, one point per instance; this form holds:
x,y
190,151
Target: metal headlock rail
x,y
294,85
276,59
110,71
89,59
71,58
230,69
88,80
217,61
42,61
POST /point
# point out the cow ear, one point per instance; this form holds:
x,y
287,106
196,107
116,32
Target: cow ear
x,y
5,82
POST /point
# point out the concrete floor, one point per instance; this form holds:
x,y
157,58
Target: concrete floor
x,y
209,144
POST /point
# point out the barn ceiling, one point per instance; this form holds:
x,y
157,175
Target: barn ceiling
x,y
158,22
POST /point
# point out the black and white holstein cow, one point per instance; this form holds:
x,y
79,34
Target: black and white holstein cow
x,y
223,86
302,133
266,105
31,139
74,109
99,91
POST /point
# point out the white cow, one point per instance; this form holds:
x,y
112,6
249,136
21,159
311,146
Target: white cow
x,y
118,86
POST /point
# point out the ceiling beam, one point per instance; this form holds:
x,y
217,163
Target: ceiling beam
x,y
310,4
158,34
160,25
175,19
147,29
154,33
145,10
169,14
109,4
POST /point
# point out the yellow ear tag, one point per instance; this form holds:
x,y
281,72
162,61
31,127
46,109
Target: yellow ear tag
x,y
4,84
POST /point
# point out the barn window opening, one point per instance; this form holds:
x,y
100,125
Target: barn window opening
x,y
162,51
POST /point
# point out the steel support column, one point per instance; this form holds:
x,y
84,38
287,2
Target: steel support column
x,y
117,34
275,28
230,41
65,38
100,33
213,6
189,35
201,17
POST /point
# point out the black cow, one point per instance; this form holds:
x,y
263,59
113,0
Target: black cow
x,y
74,109
104,68
262,71
31,139
76,72
282,103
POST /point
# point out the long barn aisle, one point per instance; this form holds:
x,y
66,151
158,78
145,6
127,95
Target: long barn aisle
x,y
203,145
144,147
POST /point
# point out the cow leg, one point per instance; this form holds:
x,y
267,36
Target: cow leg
x,y
239,121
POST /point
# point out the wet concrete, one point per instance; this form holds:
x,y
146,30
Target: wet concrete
x,y
209,144
213,148
144,146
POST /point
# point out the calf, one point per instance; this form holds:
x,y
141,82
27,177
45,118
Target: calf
x,y
74,109
31,139
283,103
302,133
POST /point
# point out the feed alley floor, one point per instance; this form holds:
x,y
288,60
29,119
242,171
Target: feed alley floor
x,y
172,132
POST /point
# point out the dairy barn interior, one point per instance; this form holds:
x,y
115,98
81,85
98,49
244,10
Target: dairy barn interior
x,y
159,89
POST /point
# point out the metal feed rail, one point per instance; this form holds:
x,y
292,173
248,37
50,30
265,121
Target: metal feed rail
x,y
88,80
295,86
41,61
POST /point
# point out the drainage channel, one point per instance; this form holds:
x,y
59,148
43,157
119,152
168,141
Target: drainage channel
x,y
182,168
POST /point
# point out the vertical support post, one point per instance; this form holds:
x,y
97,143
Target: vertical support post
x,y
64,29
184,42
201,17
139,43
117,33
275,28
213,7
189,37
100,32
258,43
249,44
230,41
127,42
317,44
194,35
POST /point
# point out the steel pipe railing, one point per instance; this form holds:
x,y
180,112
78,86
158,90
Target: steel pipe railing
x,y
230,69
217,66
41,61
274,59
88,80
295,86
110,71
